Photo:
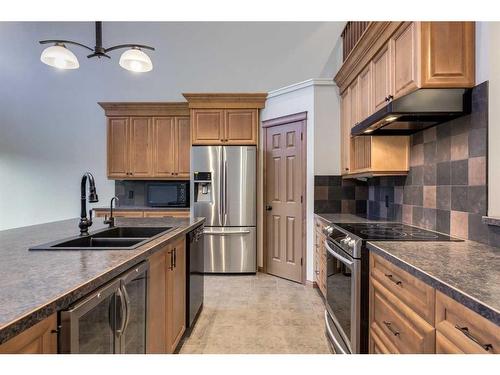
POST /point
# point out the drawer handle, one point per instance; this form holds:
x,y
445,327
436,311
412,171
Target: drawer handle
x,y
394,331
465,331
390,277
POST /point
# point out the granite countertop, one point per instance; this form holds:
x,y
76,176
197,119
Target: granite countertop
x,y
35,284
141,208
468,271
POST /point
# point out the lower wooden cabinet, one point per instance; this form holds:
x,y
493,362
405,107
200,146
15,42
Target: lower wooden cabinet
x,y
145,213
320,258
39,339
167,299
409,316
461,330
176,294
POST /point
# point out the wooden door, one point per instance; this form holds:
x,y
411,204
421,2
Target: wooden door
x,y
240,126
118,147
365,93
164,149
176,294
183,147
381,78
346,131
38,339
207,126
157,303
141,144
284,189
405,56
355,113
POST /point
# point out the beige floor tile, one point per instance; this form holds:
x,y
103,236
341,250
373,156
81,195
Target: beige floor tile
x,y
257,314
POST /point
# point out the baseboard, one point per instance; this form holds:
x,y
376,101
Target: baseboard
x,y
260,269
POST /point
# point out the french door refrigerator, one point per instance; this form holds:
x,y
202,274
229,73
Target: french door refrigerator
x,y
111,320
223,190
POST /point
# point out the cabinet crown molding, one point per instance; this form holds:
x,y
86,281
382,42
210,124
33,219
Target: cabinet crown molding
x,y
226,100
145,108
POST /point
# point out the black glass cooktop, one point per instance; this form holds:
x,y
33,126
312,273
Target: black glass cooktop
x,y
393,232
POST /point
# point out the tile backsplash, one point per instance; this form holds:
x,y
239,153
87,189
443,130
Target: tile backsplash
x,y
446,187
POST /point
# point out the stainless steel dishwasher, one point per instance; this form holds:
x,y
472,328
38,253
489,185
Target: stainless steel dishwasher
x,y
194,282
111,320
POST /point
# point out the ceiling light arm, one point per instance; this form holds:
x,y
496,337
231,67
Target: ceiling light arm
x,y
57,41
129,46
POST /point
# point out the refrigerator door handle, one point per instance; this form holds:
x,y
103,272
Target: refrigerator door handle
x,y
225,190
221,184
225,233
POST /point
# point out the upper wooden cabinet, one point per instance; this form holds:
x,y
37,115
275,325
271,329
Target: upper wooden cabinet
x,y
225,119
38,339
390,60
148,140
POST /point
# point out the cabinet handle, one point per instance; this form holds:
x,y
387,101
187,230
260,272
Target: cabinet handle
x,y
171,260
175,257
390,277
390,97
394,331
465,331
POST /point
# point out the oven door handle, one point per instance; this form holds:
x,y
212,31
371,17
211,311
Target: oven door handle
x,y
348,262
334,341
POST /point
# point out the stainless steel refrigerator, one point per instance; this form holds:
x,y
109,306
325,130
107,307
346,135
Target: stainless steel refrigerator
x,y
223,190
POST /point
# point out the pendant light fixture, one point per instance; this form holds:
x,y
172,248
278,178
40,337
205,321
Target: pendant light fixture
x,y
59,56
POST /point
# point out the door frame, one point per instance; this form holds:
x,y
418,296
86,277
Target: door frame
x,y
283,120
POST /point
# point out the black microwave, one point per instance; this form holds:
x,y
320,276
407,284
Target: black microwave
x,y
168,194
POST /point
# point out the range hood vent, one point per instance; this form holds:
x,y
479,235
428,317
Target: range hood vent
x,y
416,111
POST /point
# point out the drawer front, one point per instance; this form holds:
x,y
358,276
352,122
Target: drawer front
x,y
379,343
463,328
419,296
170,213
445,346
403,328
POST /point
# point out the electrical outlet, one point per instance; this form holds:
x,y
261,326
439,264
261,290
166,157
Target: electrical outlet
x,y
130,194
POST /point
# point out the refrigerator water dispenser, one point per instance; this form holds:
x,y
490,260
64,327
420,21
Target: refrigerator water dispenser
x,y
202,187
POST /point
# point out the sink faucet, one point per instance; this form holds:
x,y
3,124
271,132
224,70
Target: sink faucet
x,y
85,222
111,220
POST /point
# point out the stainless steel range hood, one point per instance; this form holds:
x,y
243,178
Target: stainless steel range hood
x,y
416,111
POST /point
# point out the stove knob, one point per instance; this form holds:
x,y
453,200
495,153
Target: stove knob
x,y
328,230
351,243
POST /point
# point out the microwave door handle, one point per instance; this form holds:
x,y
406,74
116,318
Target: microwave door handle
x,y
344,260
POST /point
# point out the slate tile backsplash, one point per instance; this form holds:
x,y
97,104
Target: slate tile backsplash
x,y
446,187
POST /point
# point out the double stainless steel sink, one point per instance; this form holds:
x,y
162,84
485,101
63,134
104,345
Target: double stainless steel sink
x,y
117,238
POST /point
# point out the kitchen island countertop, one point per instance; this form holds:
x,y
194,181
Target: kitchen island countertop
x,y
35,284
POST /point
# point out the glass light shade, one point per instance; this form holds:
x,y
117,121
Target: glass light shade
x,y
136,61
59,57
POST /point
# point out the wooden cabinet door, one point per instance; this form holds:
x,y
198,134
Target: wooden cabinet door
x,y
346,131
141,142
38,339
381,78
183,147
157,303
176,294
405,57
207,126
240,126
118,147
164,148
355,113
365,93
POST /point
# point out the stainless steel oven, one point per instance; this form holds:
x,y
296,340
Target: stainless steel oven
x,y
343,300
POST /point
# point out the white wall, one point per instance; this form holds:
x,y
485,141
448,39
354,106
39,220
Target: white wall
x,y
52,130
320,100
488,68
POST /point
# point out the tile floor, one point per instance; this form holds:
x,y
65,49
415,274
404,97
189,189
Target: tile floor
x,y
258,314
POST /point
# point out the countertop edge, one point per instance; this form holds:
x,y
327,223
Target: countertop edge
x,y
18,325
468,301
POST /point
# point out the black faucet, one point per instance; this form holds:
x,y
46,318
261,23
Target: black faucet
x,y
111,220
85,222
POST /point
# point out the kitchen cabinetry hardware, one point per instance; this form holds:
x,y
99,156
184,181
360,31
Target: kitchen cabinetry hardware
x,y
389,326
391,277
466,332
269,208
171,253
175,257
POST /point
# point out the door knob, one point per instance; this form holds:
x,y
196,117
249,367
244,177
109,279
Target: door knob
x,y
269,208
